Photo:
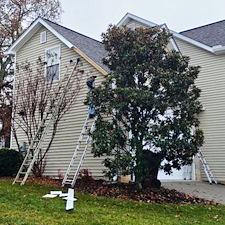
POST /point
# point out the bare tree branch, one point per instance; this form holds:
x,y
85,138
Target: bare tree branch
x,y
15,17
34,96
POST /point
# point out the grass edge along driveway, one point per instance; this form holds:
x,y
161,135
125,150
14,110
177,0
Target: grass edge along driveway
x,y
24,205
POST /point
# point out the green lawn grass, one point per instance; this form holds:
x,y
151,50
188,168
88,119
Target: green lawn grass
x,y
24,205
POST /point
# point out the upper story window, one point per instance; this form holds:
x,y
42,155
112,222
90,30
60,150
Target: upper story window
x,y
43,37
52,58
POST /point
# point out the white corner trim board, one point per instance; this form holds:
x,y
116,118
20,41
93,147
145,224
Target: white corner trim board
x,y
70,200
49,196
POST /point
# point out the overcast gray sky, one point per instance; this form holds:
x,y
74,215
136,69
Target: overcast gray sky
x,y
92,17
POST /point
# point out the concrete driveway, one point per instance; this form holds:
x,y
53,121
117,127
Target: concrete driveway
x,y
200,189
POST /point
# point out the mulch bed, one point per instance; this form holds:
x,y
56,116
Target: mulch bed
x,y
125,191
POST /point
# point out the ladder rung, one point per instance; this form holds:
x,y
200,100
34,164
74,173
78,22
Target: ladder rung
x,y
18,181
44,126
206,168
23,173
30,159
68,182
78,156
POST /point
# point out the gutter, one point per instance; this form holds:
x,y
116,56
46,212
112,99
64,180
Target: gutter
x,y
218,49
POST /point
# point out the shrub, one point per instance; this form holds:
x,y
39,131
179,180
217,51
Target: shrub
x,y
86,176
10,161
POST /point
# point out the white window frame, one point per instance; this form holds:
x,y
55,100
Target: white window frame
x,y
43,37
48,63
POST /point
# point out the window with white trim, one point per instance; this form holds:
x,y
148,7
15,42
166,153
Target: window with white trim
x,y
43,37
52,58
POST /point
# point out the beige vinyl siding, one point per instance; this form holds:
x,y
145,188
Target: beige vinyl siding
x,y
137,24
211,81
71,124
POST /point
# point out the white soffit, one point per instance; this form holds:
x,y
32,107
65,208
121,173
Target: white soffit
x,y
34,27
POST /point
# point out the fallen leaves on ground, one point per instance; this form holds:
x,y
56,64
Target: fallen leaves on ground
x,y
126,191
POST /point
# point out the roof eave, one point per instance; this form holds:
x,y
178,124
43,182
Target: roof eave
x,y
129,16
34,27
90,61
191,41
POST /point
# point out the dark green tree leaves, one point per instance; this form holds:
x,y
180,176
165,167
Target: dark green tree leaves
x,y
151,115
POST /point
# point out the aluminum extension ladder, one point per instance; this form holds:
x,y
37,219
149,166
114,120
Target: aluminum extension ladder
x,y
78,156
207,170
48,119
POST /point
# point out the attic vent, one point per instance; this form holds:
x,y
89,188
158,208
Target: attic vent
x,y
43,37
132,26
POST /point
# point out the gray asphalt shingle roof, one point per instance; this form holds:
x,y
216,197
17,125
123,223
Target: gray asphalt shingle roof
x,y
92,48
212,34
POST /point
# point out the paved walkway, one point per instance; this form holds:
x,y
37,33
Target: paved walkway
x,y
200,189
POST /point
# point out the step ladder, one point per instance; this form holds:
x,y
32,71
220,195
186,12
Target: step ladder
x,y
77,159
49,118
207,170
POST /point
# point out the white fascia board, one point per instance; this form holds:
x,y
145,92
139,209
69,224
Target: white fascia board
x,y
64,40
30,32
23,38
191,41
129,16
171,40
174,44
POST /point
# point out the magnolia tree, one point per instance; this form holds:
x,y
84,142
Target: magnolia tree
x,y
151,103
34,96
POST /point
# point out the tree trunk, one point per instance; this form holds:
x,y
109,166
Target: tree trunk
x,y
148,170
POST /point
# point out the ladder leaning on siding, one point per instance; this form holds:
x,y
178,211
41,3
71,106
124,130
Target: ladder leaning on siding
x,y
207,170
78,156
42,131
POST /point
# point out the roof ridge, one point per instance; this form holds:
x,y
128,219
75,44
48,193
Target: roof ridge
x,y
202,26
71,30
